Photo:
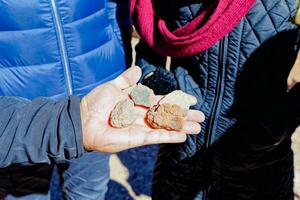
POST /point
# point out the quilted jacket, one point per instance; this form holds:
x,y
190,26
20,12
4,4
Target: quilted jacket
x,y
240,84
51,53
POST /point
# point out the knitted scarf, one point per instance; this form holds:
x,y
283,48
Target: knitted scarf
x,y
210,26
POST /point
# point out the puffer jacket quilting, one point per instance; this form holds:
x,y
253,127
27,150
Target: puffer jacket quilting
x,y
54,48
78,44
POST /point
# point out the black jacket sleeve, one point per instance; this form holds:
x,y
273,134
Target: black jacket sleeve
x,y
39,131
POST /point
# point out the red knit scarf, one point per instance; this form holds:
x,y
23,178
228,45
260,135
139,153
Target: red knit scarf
x,y
197,36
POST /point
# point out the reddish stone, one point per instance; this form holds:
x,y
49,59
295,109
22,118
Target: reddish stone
x,y
166,116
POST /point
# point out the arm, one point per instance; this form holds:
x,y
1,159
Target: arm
x,y
45,131
154,73
39,131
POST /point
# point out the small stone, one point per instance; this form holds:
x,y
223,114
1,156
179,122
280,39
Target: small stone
x,y
181,99
142,96
166,116
123,115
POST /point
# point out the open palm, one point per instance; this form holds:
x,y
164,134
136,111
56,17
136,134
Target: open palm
x,y
99,135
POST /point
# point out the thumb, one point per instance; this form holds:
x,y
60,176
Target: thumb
x,y
128,78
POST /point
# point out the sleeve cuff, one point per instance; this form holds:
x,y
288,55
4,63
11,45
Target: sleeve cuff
x,y
76,120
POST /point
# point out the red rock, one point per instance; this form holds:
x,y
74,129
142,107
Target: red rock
x,y
166,116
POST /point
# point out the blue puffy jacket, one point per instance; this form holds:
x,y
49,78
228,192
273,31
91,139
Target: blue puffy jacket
x,y
55,49
51,53
58,48
243,150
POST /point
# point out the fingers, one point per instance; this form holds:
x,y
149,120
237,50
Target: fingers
x,y
193,100
163,137
191,127
195,115
128,78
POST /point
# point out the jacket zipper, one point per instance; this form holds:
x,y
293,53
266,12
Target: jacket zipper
x,y
216,103
217,97
62,46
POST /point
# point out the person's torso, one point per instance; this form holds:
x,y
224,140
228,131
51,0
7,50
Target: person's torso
x,y
57,48
240,84
241,81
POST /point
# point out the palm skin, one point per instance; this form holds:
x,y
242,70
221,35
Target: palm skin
x,y
98,135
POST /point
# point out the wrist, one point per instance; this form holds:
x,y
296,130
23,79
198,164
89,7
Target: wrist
x,y
84,121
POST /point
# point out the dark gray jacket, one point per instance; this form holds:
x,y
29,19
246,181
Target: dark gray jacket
x,y
240,84
39,131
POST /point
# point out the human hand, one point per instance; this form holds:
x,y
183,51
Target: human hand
x,y
294,76
95,111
